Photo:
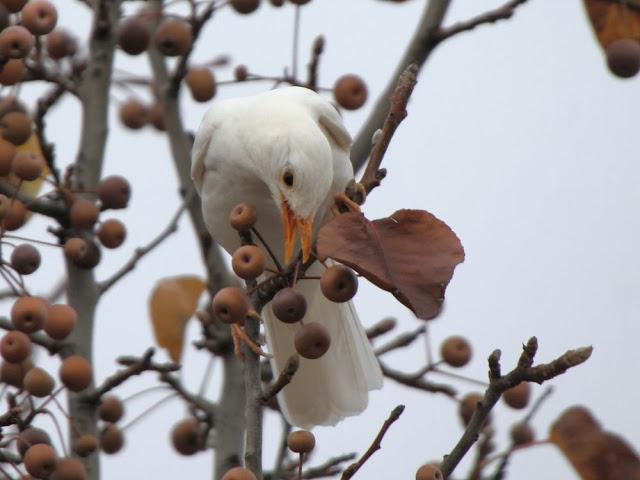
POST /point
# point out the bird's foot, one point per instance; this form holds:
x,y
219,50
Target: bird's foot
x,y
239,337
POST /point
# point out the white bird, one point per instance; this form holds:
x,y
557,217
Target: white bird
x,y
286,153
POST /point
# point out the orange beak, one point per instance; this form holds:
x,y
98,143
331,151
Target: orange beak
x,y
293,224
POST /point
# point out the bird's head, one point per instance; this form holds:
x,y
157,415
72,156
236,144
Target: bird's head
x,y
300,188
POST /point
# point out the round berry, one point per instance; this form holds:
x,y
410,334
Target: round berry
x,y
12,72
114,192
13,373
60,44
350,92
338,283
623,57
289,306
111,409
112,233
76,249
248,262
312,340
518,397
83,213
16,216
29,314
468,405
85,445
241,73
31,436
15,127
201,83
231,305
16,42
69,469
521,434
133,114
301,441
7,152
429,472
39,17
28,166
242,217
15,347
38,382
245,6
456,351
111,439
133,35
185,437
40,460
75,373
25,259
173,37
239,473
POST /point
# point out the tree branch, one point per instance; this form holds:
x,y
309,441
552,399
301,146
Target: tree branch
x,y
524,372
504,12
401,341
351,470
418,383
287,373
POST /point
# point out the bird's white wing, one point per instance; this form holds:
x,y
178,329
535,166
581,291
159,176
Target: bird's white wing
x,y
200,149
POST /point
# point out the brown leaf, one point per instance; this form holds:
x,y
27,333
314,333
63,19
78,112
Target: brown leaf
x,y
172,303
593,452
411,254
613,20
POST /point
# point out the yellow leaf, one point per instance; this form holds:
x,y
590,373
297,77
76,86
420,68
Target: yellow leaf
x,y
32,145
173,302
613,21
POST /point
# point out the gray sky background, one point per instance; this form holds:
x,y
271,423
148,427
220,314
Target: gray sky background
x,y
517,137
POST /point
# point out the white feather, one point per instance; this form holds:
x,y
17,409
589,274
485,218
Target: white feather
x,y
237,155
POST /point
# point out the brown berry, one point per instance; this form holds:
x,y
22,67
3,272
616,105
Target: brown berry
x,y
350,92
623,57
185,437
111,439
15,127
60,44
245,6
241,73
338,283
156,116
112,233
38,382
299,2
91,258
7,152
25,259
289,306
76,249
521,433
173,37
456,351
242,217
15,347
12,72
16,42
468,405
13,373
301,441
75,373
114,192
61,319
28,166
133,35
5,203
312,340
14,6
201,83
69,469
239,473
40,460
133,114
248,262
29,314
518,397
111,409
39,17
85,445
83,213
17,215
231,305
31,436
277,3
429,472
5,19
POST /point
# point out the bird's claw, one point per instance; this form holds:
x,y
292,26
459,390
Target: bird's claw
x,y
239,337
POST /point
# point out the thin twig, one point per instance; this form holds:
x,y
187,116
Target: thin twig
x,y
524,372
418,383
287,373
380,328
351,470
403,340
140,252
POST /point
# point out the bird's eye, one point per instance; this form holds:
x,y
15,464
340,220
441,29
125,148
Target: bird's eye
x,y
287,178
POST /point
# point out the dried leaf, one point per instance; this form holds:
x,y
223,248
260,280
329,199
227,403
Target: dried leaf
x,y
593,452
614,20
411,254
173,302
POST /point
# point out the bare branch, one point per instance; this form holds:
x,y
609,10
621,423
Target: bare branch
x,y
417,382
140,252
380,328
499,384
373,174
287,373
401,341
351,470
199,402
504,12
43,206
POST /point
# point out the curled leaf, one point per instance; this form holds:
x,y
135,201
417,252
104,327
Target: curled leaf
x,y
172,303
411,254
593,452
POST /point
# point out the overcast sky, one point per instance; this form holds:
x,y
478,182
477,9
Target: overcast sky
x,y
517,137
